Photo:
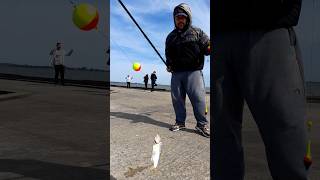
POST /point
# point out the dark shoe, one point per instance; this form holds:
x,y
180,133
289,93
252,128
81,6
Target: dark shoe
x,y
177,127
203,130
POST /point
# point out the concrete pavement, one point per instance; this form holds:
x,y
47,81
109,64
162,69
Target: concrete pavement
x,y
52,132
138,115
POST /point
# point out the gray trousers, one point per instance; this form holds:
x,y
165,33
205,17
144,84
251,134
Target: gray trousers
x,y
264,69
192,84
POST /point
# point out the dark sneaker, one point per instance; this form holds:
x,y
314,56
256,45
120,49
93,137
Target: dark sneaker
x,y
177,127
203,130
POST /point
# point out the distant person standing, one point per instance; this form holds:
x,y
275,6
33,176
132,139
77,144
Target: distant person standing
x,y
145,80
58,54
128,79
153,78
108,55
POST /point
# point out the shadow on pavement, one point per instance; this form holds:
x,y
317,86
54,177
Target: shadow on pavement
x,y
136,118
51,171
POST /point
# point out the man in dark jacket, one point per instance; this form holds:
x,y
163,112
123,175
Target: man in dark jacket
x,y
145,80
256,58
153,78
186,46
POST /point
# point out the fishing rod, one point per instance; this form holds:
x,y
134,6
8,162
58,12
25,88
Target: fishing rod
x,y
124,7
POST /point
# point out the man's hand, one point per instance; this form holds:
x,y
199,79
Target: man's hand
x,y
169,69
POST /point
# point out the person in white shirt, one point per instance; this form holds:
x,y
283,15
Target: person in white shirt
x,y
129,78
58,54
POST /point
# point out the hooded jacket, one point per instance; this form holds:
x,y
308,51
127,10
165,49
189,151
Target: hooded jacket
x,y
185,49
235,15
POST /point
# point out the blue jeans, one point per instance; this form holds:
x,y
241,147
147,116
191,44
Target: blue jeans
x,y
189,83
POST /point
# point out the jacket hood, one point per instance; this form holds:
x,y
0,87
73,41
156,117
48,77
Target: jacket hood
x,y
183,7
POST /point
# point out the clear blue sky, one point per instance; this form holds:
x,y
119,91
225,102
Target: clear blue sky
x,y
128,45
